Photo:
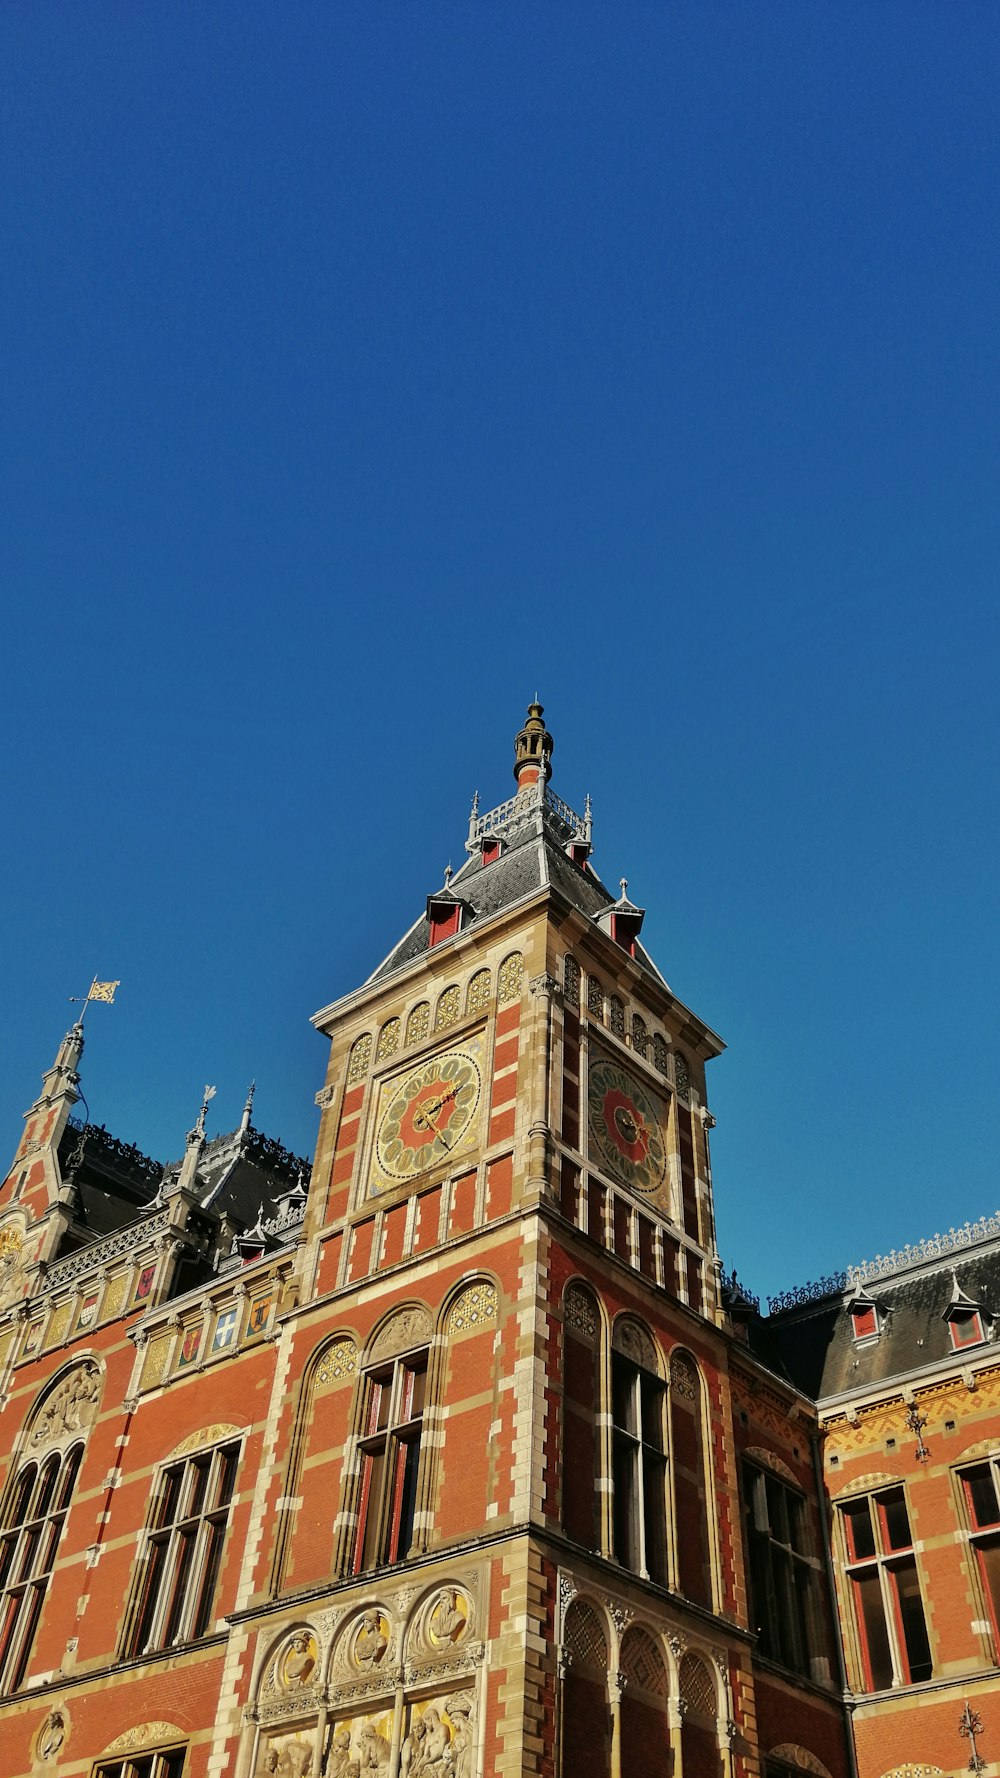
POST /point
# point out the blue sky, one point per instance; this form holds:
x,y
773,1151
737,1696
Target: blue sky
x,y
367,368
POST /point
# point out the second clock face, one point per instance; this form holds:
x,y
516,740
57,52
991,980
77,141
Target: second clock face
x,y
426,1115
625,1127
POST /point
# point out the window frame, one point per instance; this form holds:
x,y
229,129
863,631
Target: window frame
x,y
883,1558
36,1507
392,1415
983,1537
180,1562
781,1570
159,1762
639,1470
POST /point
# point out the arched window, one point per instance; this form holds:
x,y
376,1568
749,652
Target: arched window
x,y
419,1022
359,1058
510,978
660,1053
700,1754
581,1392
640,1034
182,1554
32,1521
682,1077
571,981
645,1730
638,1454
616,1016
477,997
388,1040
687,1454
448,1008
586,1719
393,1392
595,998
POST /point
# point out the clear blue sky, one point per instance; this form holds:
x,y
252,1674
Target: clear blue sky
x,y
367,368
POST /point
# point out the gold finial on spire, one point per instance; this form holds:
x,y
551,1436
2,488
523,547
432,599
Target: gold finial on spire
x,y
533,749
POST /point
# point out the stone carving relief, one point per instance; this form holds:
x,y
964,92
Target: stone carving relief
x,y
71,1407
800,1758
298,1663
411,1327
371,1641
360,1744
439,1741
683,1377
441,1643
12,1261
209,1435
448,1618
635,1343
757,1454
52,1735
146,1734
286,1756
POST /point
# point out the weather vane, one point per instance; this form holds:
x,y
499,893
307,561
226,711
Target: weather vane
x,y
97,991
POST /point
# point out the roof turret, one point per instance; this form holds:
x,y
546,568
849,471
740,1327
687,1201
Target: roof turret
x,y
533,749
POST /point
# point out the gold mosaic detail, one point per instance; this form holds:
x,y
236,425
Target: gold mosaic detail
x,y
448,1009
388,1040
114,1296
339,1361
360,1057
511,978
474,1308
580,1312
156,1362
419,1022
478,994
58,1324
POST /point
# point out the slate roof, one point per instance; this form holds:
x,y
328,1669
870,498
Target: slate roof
x,y
814,1344
534,857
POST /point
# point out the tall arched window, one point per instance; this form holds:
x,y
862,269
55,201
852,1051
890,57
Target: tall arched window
x,y
32,1522
581,1399
586,1718
638,1454
645,1729
688,1461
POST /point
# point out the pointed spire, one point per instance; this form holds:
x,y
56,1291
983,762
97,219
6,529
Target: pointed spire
x,y
533,749
247,1109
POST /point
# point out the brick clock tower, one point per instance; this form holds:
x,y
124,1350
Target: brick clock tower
x,y
436,1473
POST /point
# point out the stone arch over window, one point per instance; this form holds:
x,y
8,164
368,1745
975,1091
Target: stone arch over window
x,y
799,1759
586,1718
581,1449
768,1460
699,1726
692,1505
388,1483
388,1040
640,1034
645,1731
571,981
477,994
359,1059
34,1510
419,1022
660,1052
448,1008
510,978
633,1340
616,1015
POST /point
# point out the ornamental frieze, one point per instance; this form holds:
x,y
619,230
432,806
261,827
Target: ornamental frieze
x,y
72,1407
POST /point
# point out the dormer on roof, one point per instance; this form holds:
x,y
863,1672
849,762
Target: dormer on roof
x,y
623,920
965,1317
445,911
866,1316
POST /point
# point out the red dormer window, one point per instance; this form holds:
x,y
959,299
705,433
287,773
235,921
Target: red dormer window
x,y
966,1327
489,850
625,931
445,918
579,851
865,1321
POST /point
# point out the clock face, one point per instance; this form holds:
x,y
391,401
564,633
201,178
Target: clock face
x,y
625,1127
427,1114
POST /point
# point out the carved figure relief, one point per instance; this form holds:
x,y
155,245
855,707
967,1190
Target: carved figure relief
x,y
70,1408
439,1742
374,1746
340,1760
299,1661
11,1261
372,1640
51,1735
449,1618
285,1756
411,1327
